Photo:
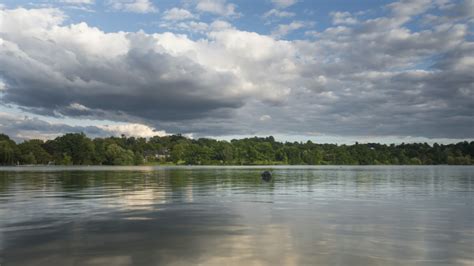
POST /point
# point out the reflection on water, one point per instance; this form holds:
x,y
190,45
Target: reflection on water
x,y
228,216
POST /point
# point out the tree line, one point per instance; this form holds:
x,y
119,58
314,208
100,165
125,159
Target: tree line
x,y
78,149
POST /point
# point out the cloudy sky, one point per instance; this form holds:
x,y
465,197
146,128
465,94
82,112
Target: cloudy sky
x,y
329,71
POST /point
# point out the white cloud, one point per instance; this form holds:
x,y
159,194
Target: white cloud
x,y
312,33
81,8
78,2
198,27
30,20
219,25
133,130
25,127
2,84
342,18
135,6
284,3
408,8
78,107
188,26
217,7
177,14
284,29
278,13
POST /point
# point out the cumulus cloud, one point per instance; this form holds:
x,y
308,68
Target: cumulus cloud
x,y
177,14
217,7
342,18
375,77
284,3
132,130
187,26
463,10
265,118
135,6
196,27
2,86
78,2
156,77
278,13
451,12
284,29
408,8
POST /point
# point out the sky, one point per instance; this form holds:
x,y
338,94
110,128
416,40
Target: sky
x,y
327,71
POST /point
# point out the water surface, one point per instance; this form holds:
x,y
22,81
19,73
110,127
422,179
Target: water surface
x,y
388,215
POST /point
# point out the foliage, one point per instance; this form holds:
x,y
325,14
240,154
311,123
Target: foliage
x,y
78,149
116,155
32,152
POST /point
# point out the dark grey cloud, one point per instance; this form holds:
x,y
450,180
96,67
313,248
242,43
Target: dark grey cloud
x,y
141,82
406,74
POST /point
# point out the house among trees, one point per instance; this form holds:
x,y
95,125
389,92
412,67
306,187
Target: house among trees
x,y
161,155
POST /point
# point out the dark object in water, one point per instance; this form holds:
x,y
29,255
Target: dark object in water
x,y
266,176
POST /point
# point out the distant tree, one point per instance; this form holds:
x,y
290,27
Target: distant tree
x,y
178,152
8,150
138,158
223,152
75,145
116,155
280,156
415,161
77,148
32,152
293,153
66,159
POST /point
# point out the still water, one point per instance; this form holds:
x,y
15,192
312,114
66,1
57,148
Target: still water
x,y
227,216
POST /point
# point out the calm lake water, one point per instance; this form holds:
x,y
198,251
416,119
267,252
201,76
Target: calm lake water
x,y
227,216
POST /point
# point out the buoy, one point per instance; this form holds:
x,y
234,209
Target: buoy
x,y
267,176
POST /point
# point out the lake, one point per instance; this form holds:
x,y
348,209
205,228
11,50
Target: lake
x,y
325,215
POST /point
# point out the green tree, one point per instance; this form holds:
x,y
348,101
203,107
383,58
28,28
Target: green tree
x,y
76,145
8,150
116,155
138,158
28,158
32,152
178,152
